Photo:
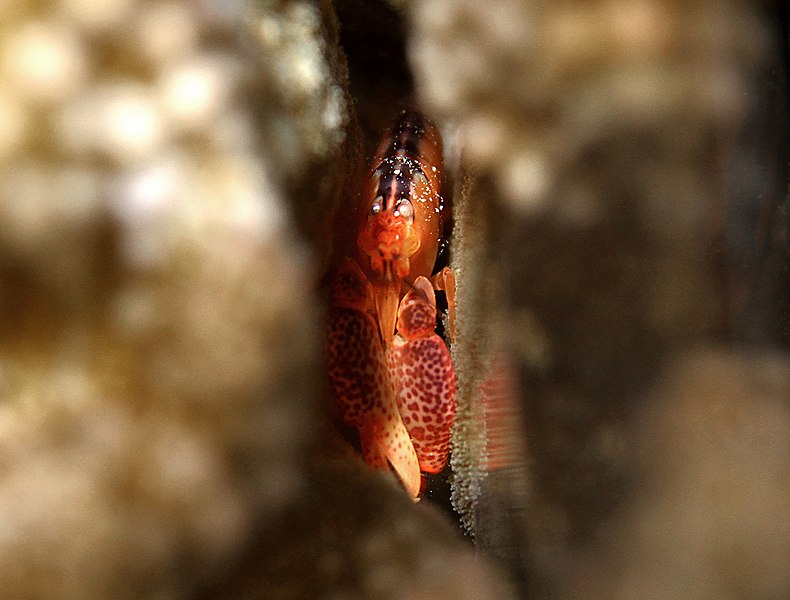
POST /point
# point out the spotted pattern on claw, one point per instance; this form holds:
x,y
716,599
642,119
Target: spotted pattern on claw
x,y
426,396
420,366
350,289
361,382
418,319
355,365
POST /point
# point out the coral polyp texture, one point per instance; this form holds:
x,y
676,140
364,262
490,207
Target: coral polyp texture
x,y
619,201
159,341
149,329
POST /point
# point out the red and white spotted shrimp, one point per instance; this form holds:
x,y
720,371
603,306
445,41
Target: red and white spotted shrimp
x,y
391,374
424,379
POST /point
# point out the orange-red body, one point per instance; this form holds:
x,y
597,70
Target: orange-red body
x,y
391,374
423,377
364,390
399,224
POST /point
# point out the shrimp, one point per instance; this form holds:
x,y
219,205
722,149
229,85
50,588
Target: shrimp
x,y
390,372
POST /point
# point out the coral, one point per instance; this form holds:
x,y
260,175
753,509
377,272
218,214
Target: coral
x,y
610,180
711,513
159,390
170,174
391,548
153,400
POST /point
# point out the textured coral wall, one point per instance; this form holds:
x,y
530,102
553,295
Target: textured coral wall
x,y
168,172
159,165
627,185
154,331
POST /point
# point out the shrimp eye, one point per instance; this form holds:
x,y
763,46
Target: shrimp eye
x,y
405,210
377,206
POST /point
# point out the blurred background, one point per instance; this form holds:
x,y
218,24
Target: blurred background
x,y
173,178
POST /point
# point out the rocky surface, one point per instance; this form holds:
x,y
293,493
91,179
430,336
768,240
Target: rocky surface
x,y
629,211
160,334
